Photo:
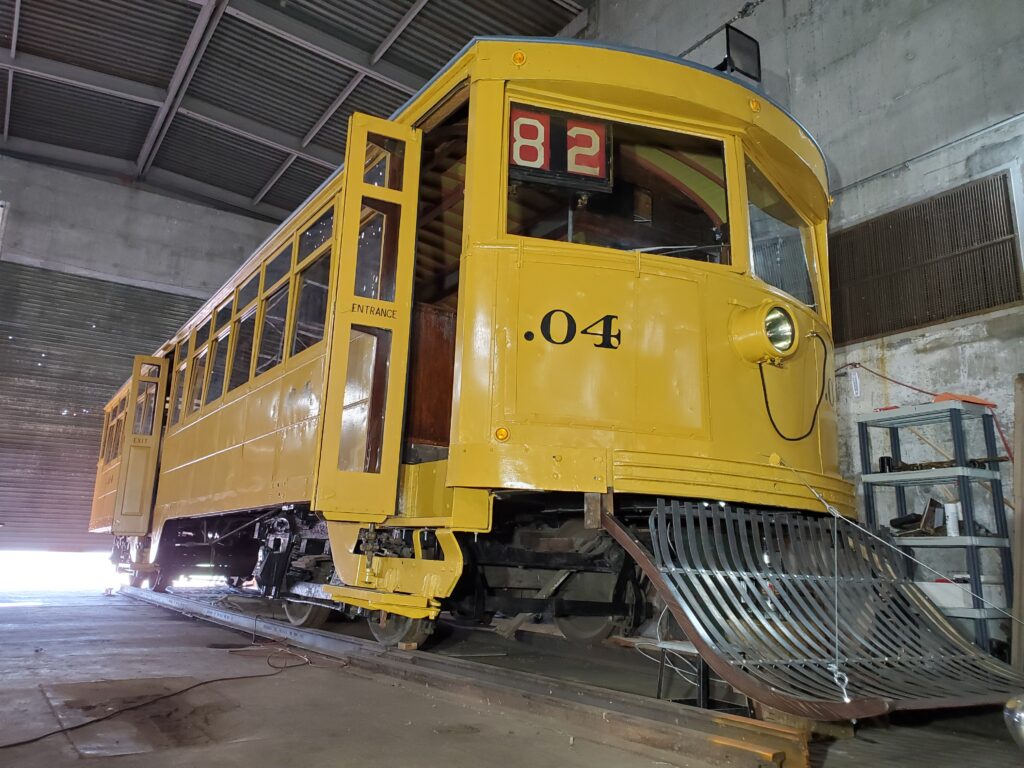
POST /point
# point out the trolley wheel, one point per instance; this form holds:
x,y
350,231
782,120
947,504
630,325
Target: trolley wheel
x,y
160,580
306,614
390,629
608,587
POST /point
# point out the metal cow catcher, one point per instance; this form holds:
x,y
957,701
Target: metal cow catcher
x,y
530,351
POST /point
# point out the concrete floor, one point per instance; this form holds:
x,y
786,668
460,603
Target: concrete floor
x,y
68,658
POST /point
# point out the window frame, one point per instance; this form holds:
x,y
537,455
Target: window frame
x,y
328,245
734,187
265,293
239,313
810,237
218,337
180,363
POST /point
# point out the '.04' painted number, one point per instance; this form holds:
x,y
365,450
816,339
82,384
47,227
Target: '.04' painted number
x,y
559,327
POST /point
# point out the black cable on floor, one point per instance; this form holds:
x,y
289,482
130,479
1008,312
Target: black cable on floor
x,y
278,670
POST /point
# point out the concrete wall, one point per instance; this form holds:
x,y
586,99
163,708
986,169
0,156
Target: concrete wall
x,y
975,355
877,83
907,98
96,227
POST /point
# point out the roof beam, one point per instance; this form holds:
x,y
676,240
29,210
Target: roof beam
x,y
7,104
576,25
404,22
205,24
273,179
250,129
311,39
10,73
160,180
194,188
335,105
68,74
14,28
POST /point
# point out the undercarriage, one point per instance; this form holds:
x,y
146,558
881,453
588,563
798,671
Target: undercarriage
x,y
806,613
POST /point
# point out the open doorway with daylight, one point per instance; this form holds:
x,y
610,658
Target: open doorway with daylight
x,y
438,255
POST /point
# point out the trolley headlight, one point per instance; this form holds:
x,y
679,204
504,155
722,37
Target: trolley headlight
x,y
779,328
766,333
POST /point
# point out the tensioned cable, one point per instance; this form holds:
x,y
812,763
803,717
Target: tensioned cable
x,y
835,513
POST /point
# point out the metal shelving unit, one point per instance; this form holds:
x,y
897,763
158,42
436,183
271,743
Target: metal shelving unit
x,y
963,476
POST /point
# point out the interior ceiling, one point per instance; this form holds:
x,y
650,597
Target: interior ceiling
x,y
237,103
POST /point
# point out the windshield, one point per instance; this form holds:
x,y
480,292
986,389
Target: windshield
x,y
583,180
778,238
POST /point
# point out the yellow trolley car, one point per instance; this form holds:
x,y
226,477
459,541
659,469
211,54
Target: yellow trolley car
x,y
555,332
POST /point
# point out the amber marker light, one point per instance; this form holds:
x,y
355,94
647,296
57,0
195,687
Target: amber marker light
x,y
519,58
502,434
766,333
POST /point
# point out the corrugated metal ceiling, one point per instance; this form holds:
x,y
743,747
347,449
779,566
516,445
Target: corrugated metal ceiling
x,y
443,27
91,77
56,113
296,184
134,39
260,76
199,151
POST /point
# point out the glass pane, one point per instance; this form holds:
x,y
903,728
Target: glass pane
x,y
103,435
223,316
385,158
366,390
248,291
272,335
312,304
149,371
778,238
178,394
318,233
377,250
277,267
220,361
241,360
108,443
118,433
583,180
202,334
145,407
196,385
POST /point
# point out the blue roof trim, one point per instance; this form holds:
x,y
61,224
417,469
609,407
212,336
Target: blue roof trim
x,y
557,41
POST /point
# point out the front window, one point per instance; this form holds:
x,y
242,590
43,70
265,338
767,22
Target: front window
x,y
582,180
779,238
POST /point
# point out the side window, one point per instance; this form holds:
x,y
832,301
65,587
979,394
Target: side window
x,y
275,314
116,429
311,309
108,436
195,386
178,382
276,284
219,354
244,330
779,238
145,408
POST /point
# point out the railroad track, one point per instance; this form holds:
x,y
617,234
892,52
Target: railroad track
x,y
614,717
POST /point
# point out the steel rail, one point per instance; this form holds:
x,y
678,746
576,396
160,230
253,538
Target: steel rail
x,y
755,592
612,717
